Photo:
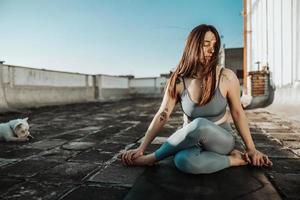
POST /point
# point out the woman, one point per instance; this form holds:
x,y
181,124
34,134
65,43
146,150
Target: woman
x,y
206,143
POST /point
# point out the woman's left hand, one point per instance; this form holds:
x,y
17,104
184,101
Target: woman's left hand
x,y
257,158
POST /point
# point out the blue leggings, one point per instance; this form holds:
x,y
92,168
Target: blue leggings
x,y
200,147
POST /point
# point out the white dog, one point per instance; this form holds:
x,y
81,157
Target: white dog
x,y
15,131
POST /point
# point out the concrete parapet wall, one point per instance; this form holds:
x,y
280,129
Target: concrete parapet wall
x,y
147,86
112,87
114,82
114,94
22,87
288,95
21,97
146,92
27,87
34,77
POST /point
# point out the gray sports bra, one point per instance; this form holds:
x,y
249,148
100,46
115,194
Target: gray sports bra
x,y
213,110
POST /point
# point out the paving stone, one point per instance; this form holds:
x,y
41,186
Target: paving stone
x,y
122,139
173,124
292,144
36,190
67,172
78,145
104,133
90,129
296,151
132,132
142,127
132,122
4,161
19,153
95,137
58,154
8,146
101,118
270,143
256,130
285,166
286,136
27,168
94,192
105,115
278,130
7,182
100,130
92,156
69,136
166,132
110,146
260,137
287,184
274,152
48,144
268,125
116,173
157,140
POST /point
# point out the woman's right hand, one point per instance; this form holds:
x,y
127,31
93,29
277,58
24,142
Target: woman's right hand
x,y
257,158
130,155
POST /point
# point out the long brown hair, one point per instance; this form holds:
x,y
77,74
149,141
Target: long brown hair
x,y
190,65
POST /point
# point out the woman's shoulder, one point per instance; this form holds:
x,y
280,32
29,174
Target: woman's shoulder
x,y
228,75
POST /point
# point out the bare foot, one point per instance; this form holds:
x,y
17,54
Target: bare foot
x,y
145,160
236,158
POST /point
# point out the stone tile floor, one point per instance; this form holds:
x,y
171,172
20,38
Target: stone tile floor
x,y
74,156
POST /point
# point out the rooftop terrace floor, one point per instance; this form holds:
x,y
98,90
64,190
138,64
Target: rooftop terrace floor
x,y
74,156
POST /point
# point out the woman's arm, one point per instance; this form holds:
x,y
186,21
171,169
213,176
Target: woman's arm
x,y
236,109
160,119
240,120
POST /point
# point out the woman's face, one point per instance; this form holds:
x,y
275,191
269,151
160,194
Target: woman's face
x,y
208,47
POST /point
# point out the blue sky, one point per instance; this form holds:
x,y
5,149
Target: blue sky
x,y
140,37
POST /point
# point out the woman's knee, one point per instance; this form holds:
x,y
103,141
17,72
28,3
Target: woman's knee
x,y
181,161
184,163
228,145
231,144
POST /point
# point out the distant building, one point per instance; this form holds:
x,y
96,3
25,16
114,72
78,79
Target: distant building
x,y
234,61
231,58
166,75
127,76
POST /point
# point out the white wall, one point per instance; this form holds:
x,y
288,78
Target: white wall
x,y
152,86
147,82
114,82
142,82
273,39
112,87
28,87
31,77
22,87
